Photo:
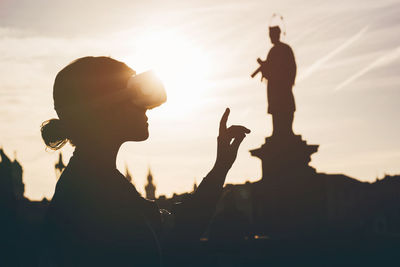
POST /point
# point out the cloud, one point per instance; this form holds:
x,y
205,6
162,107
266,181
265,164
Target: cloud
x,y
379,62
314,67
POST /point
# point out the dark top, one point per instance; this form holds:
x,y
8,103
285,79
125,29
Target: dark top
x,y
97,217
280,71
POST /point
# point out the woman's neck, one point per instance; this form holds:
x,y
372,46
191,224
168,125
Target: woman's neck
x,y
98,154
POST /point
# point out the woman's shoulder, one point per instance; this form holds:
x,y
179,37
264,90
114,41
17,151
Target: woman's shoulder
x,y
72,178
144,203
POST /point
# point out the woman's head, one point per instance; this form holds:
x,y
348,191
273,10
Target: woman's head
x,y
83,99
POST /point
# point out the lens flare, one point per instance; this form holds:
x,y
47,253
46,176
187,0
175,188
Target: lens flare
x,y
180,63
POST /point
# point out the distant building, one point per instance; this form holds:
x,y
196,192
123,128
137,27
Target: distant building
x,y
310,206
59,166
18,184
128,175
11,173
194,186
150,188
7,195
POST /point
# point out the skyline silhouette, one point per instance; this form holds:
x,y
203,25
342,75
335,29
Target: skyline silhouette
x,y
332,44
360,217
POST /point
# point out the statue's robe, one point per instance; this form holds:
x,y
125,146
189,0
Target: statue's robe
x,y
280,71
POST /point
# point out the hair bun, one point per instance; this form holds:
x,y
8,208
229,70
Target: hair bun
x,y
53,134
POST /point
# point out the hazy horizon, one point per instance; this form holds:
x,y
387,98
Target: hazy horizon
x,y
347,87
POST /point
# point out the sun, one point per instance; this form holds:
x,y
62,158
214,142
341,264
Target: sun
x,y
181,64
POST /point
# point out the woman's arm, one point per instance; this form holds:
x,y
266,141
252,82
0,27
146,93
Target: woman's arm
x,y
193,216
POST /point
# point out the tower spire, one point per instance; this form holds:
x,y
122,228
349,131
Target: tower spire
x,y
128,175
150,188
194,185
59,166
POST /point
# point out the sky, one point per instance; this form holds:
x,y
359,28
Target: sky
x,y
347,88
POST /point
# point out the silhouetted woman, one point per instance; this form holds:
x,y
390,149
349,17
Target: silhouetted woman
x,y
96,217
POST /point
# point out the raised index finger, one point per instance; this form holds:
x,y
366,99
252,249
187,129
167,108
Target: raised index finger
x,y
224,119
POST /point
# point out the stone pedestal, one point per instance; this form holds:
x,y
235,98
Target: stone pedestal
x,y
287,199
282,156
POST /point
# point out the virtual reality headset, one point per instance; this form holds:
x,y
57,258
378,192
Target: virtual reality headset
x,y
146,90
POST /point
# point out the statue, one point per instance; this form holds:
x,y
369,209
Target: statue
x,y
280,70
284,153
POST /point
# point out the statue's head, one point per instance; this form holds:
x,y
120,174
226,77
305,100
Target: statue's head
x,y
274,34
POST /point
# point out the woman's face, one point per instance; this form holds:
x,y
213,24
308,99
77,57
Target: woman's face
x,y
127,122
137,126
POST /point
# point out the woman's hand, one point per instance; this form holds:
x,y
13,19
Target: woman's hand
x,y
229,140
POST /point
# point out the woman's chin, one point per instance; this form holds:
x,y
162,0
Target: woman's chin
x,y
140,137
